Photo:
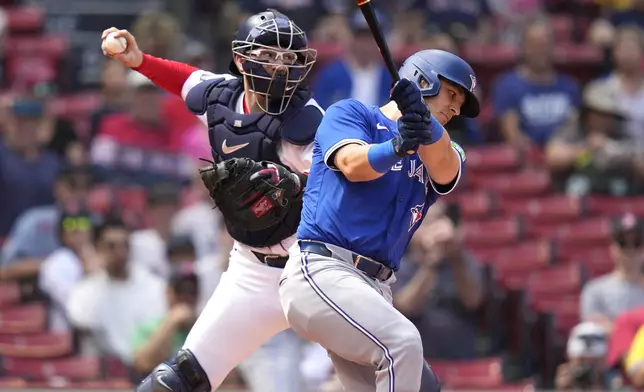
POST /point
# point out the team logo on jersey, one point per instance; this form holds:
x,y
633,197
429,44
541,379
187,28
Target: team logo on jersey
x,y
416,215
459,149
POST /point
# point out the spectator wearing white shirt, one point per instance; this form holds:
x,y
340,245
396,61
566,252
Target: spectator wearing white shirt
x,y
108,304
149,246
65,267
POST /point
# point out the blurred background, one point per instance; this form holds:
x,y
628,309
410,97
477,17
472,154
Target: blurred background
x,y
531,276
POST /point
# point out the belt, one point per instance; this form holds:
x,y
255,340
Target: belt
x,y
271,260
370,267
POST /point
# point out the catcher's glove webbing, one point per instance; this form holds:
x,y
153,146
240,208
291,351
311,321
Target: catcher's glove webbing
x,y
252,195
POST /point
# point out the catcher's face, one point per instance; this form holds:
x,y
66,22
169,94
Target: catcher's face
x,y
447,103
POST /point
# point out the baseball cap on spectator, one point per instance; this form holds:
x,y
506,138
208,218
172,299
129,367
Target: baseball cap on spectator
x,y
628,231
29,108
598,99
588,340
138,81
184,281
180,248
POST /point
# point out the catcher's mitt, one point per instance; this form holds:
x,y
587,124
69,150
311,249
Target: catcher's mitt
x,y
253,195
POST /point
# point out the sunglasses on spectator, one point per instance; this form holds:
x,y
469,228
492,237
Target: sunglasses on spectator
x,y
634,243
76,224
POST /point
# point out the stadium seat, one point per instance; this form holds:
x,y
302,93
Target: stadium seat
x,y
100,199
104,385
30,318
549,208
76,368
9,293
557,280
42,345
115,369
493,158
50,46
25,19
613,206
500,231
489,54
595,232
479,373
563,27
12,383
523,184
567,53
75,105
32,67
537,251
475,205
132,199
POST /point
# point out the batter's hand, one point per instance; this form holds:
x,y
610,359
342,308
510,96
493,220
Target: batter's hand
x,y
132,57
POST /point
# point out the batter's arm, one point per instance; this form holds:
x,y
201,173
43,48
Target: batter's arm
x,y
353,162
441,160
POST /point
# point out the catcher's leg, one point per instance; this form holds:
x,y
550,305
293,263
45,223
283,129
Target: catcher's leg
x,y
242,314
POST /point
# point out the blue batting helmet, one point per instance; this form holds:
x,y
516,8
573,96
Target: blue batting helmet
x,y
427,67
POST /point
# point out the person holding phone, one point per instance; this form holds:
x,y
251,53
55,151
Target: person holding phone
x,y
440,286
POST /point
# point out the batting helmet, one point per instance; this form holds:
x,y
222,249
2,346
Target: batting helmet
x,y
270,39
427,67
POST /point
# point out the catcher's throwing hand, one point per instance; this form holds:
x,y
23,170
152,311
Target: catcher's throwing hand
x,y
132,57
253,195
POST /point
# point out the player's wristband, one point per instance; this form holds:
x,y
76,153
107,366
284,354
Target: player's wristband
x,y
382,156
436,130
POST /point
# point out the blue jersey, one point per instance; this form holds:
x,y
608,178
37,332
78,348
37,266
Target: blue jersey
x,y
375,218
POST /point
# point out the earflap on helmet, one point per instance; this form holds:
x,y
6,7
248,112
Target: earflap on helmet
x,y
427,80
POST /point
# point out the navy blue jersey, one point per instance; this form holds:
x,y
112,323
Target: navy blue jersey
x,y
375,218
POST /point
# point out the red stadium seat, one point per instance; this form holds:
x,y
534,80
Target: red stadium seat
x,y
474,205
42,345
479,373
132,199
12,383
540,252
557,280
493,158
595,231
501,231
616,205
567,252
75,105
549,208
100,199
526,183
30,67
104,385
115,369
25,18
489,54
563,27
23,319
567,53
9,293
77,369
51,46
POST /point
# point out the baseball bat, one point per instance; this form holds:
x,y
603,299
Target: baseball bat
x,y
370,16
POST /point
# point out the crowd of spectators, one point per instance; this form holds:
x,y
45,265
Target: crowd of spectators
x,y
103,214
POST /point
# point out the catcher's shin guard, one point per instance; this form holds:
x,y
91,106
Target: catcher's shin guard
x,y
428,381
181,374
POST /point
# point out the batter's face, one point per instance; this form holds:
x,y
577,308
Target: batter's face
x,y
447,103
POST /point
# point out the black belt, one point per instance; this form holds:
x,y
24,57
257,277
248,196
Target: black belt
x,y
271,260
370,267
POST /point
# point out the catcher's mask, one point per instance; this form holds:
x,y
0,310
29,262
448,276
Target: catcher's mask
x,y
275,58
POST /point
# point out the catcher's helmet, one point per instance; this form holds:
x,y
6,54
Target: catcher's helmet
x,y
270,39
426,67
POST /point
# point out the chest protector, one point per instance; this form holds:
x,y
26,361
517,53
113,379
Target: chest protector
x,y
256,136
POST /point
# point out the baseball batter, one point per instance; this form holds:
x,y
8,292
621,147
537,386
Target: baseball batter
x,y
375,173
261,122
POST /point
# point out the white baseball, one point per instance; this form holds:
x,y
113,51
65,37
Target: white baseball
x,y
115,45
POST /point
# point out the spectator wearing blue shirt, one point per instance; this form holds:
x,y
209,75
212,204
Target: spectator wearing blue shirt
x,y
33,236
533,101
359,74
27,171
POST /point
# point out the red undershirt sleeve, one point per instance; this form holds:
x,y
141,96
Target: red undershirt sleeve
x,y
166,74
